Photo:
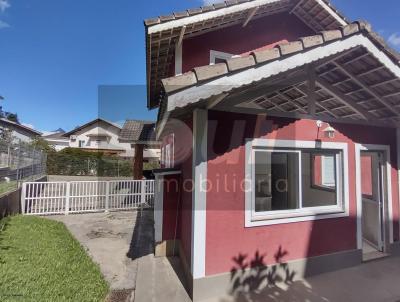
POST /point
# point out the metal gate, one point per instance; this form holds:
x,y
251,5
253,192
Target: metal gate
x,y
50,198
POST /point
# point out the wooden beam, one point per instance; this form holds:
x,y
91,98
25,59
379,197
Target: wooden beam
x,y
379,98
250,16
182,33
214,102
138,162
311,95
296,6
344,99
253,94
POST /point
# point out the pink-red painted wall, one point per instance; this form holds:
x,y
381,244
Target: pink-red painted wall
x,y
182,202
226,236
259,33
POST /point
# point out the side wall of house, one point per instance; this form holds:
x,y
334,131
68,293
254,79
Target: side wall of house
x,y
181,199
236,40
226,235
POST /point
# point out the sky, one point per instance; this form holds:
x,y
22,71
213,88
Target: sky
x,y
63,62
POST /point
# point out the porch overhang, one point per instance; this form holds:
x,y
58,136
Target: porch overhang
x,y
346,74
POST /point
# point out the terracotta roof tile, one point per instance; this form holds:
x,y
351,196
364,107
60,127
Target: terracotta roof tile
x,y
210,71
265,55
240,63
180,81
312,41
134,131
291,47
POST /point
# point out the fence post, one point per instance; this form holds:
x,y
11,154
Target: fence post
x,y
67,198
23,197
107,196
143,192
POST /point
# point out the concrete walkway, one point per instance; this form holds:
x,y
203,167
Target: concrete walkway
x,y
121,243
377,281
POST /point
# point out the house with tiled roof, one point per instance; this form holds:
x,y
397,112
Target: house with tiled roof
x,y
279,123
100,135
142,139
19,132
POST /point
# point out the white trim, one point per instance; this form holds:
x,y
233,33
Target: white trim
x,y
332,12
257,73
388,203
165,173
224,11
199,194
304,214
214,54
158,207
208,15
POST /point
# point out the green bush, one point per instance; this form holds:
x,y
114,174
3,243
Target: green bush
x,y
79,162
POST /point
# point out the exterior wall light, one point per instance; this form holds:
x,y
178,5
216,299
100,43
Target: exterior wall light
x,y
329,131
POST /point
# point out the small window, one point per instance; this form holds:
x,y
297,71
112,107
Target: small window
x,y
81,144
219,57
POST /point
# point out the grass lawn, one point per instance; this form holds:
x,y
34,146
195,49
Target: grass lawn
x,y
41,261
7,186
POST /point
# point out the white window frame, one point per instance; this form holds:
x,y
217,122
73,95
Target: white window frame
x,y
168,153
214,54
253,219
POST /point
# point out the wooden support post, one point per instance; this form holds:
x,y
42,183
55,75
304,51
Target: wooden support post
x,y
138,162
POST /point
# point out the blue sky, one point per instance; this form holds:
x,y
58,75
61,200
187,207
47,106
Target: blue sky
x,y
55,54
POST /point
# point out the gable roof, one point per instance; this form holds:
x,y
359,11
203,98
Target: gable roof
x,y
162,33
19,126
98,120
56,135
135,131
366,78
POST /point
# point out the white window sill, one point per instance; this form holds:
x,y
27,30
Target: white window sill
x,y
263,219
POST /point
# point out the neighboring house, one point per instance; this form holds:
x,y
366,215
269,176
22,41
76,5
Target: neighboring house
x,y
19,132
289,149
141,135
99,135
57,140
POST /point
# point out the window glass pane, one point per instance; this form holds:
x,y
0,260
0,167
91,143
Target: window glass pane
x,y
276,181
319,187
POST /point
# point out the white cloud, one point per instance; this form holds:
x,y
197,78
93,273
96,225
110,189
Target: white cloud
x,y
209,2
4,4
4,24
394,39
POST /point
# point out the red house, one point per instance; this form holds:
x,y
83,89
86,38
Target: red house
x,y
279,121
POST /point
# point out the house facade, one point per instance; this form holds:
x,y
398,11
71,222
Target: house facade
x,y
57,140
279,130
99,135
18,132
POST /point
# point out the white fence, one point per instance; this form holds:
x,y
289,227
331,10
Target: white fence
x,y
50,198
